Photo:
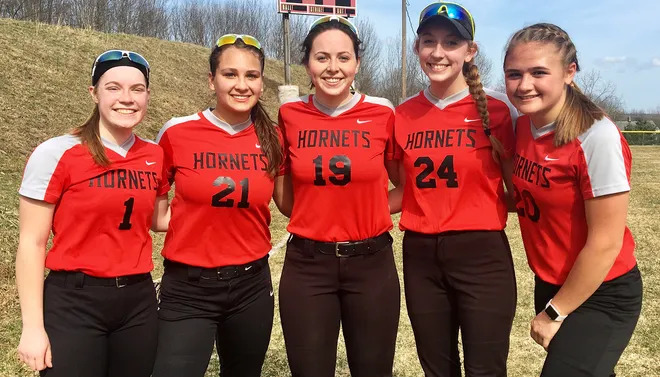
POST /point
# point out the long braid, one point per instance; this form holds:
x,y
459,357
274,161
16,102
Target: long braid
x,y
473,79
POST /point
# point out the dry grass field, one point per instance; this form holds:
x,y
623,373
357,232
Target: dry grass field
x,y
43,80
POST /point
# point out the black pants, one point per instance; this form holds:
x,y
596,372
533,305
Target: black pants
x,y
460,280
319,291
98,331
592,338
195,311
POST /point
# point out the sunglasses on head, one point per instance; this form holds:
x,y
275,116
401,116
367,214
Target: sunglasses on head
x,y
450,10
339,19
230,39
113,55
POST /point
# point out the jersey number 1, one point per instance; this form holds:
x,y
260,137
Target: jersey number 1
x,y
126,222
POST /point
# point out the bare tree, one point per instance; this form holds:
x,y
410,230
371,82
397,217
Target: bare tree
x,y
390,80
601,91
298,28
370,61
189,23
485,66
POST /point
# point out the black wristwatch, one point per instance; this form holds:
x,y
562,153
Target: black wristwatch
x,y
553,313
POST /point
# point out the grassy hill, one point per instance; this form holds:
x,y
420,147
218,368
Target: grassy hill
x,y
44,75
45,72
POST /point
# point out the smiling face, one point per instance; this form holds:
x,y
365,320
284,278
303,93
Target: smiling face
x,y
122,96
536,80
332,66
442,53
237,83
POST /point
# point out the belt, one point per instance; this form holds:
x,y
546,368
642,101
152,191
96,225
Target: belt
x,y
80,279
344,249
195,273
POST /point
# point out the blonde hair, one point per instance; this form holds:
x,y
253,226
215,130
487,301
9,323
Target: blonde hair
x,y
578,113
473,80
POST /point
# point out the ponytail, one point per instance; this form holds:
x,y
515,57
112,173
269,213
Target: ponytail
x,y
89,135
269,138
576,116
473,79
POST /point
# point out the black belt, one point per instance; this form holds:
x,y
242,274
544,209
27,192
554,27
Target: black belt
x,y
80,279
195,273
344,249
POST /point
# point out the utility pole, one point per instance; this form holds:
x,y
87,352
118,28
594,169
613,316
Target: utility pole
x,y
287,49
403,50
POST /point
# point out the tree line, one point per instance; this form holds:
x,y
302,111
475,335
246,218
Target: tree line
x,y
203,21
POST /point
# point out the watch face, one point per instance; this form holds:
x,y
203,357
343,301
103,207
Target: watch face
x,y
551,312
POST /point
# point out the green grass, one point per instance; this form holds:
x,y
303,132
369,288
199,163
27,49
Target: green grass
x,y
43,79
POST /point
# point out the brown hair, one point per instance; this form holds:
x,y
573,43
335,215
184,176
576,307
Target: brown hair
x,y
578,113
267,134
330,25
90,136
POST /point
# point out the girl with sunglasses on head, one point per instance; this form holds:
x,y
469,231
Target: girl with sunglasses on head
x,y
571,174
455,139
226,164
95,189
339,265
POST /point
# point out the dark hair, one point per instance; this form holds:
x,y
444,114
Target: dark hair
x,y
267,134
90,136
578,113
306,47
473,79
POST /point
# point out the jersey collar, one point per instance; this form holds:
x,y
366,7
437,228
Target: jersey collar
x,y
542,131
336,111
122,149
442,103
231,129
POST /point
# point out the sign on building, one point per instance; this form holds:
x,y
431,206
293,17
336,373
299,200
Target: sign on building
x,y
345,8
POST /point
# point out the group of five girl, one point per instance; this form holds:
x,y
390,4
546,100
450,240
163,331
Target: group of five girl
x,y
450,151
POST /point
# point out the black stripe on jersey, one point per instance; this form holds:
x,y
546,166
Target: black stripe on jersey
x,y
531,171
459,137
230,161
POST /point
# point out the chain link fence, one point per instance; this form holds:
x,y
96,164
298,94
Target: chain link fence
x,y
642,137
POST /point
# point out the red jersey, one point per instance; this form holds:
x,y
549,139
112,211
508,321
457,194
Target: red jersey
x,y
220,213
337,159
551,186
102,214
452,181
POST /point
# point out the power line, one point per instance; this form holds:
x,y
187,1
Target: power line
x,y
409,20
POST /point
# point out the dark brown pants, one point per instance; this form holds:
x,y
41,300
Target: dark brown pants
x,y
460,280
319,291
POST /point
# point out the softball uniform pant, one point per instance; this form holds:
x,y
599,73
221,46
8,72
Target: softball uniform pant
x,y
460,280
97,329
592,338
230,306
320,291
